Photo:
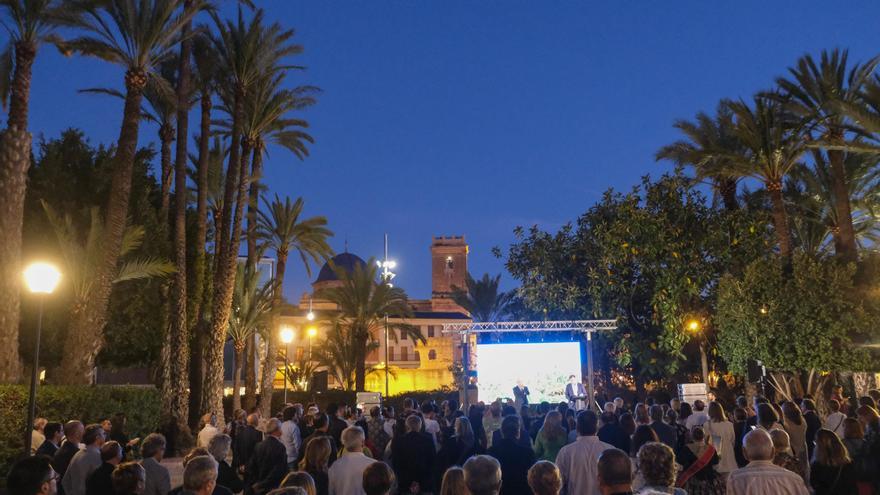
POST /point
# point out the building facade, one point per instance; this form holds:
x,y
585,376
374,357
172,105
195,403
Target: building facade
x,y
412,365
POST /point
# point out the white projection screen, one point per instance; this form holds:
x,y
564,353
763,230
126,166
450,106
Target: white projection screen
x,y
543,367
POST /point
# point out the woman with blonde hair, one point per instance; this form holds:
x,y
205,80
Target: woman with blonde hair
x,y
300,479
544,478
551,437
719,432
453,482
832,471
316,463
796,427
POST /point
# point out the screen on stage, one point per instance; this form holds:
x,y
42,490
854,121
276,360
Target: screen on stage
x,y
543,367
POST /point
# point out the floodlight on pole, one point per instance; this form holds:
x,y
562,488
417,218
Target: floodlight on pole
x,y
310,315
41,278
286,337
387,275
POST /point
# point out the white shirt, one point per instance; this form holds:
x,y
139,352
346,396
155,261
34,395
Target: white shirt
x,y
37,439
696,419
83,463
723,438
433,427
347,474
291,439
764,477
389,427
578,464
207,433
835,423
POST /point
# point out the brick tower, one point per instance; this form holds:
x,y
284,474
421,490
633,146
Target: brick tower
x,y
448,269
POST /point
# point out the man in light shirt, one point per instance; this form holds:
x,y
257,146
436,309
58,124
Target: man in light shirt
x,y
835,420
699,416
209,431
432,427
347,473
577,461
760,476
290,434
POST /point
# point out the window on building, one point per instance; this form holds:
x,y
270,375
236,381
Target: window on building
x,y
402,335
390,354
417,356
404,354
300,352
431,331
432,355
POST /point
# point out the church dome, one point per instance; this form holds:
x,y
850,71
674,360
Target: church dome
x,y
345,261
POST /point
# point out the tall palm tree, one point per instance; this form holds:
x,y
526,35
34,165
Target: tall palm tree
x,y
362,304
137,35
251,314
247,52
772,146
281,227
482,299
29,23
704,139
339,354
812,94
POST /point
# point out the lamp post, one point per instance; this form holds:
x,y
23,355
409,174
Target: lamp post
x,y
312,331
41,279
287,338
387,275
694,326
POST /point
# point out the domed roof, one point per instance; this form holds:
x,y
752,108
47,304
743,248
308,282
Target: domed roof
x,y
346,261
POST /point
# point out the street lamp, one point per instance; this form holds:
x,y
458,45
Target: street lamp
x,y
41,279
310,315
696,327
312,331
387,275
287,338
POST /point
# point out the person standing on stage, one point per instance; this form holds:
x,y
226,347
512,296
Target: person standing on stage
x,y
520,395
576,394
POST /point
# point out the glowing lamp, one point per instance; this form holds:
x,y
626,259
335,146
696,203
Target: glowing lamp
x,y
312,331
42,278
693,326
286,335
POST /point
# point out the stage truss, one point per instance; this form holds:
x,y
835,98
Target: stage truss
x,y
587,327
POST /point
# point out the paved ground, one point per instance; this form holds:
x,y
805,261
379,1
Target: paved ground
x,y
175,467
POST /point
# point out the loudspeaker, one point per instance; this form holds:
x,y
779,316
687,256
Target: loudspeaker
x,y
755,371
319,382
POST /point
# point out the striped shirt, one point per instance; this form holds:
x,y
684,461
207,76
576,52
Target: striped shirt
x,y
764,477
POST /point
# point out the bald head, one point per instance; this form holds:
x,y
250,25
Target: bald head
x,y
615,470
253,419
758,446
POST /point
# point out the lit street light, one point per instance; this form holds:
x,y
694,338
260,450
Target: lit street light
x,y
286,338
311,314
696,327
312,331
41,279
387,275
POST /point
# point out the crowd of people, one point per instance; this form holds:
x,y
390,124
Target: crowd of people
x,y
673,447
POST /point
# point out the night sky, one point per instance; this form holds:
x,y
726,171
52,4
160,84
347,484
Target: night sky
x,y
473,117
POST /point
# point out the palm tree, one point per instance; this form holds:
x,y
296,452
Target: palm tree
x,y
29,23
812,95
362,304
251,314
281,227
137,35
339,353
705,138
247,52
482,299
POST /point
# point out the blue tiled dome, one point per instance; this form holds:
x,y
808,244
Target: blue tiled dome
x,y
346,261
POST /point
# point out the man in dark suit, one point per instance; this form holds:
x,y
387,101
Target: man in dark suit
x,y
576,394
53,434
246,440
612,433
515,459
336,423
524,439
320,426
100,482
413,458
268,465
73,433
666,433
520,395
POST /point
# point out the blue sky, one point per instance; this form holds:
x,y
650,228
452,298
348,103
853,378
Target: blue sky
x,y
473,117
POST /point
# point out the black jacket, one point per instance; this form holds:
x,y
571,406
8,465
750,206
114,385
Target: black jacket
x,y
413,458
226,476
515,462
47,448
613,434
267,466
62,457
336,427
246,439
316,434
100,481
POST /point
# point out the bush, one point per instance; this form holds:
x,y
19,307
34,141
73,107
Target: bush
x,y
89,404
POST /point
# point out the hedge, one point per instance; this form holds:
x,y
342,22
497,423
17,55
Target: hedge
x,y
89,404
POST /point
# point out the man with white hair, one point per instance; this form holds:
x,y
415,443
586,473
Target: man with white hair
x,y
200,475
208,431
347,473
268,465
482,475
761,476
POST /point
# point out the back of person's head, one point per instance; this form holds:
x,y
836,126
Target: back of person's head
x,y
353,439
507,410
453,482
829,450
409,403
641,414
32,475
657,464
209,419
608,418
656,412
792,413
684,411
767,416
317,455
614,469
868,415
671,416
833,405
219,445
587,423
413,423
289,490
374,412
644,434
867,400
200,472
510,427
72,429
300,479
716,412
463,429
627,423
378,479
697,434
699,405
852,429
810,405
740,414
482,475
110,451
253,419
781,441
427,408
544,478
742,402
273,425
758,446
51,429
128,479
321,421
93,434
332,409
153,444
193,453
289,413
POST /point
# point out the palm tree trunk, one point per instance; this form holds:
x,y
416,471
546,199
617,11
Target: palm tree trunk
x,y
727,189
236,376
15,160
85,332
847,249
166,136
360,369
780,218
250,374
198,293
269,368
253,198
